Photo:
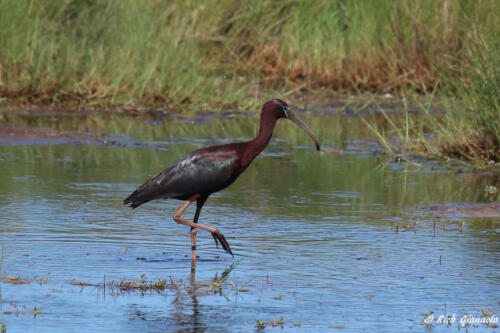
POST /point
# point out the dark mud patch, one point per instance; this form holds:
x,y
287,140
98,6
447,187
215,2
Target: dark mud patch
x,y
18,136
465,210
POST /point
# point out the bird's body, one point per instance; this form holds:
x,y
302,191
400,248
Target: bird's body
x,y
207,170
203,171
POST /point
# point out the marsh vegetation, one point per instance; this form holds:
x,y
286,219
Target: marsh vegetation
x,y
227,54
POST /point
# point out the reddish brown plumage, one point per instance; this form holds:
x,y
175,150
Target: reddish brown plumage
x,y
211,169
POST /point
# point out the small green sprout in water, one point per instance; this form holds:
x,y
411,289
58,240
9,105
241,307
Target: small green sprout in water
x,y
297,324
43,281
276,323
260,324
277,297
428,318
486,312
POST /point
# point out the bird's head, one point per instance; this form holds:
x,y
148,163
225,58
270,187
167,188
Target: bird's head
x,y
282,110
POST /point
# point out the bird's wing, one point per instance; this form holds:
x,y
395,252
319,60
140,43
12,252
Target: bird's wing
x,y
197,173
203,171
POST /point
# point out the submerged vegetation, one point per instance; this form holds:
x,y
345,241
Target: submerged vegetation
x,y
191,55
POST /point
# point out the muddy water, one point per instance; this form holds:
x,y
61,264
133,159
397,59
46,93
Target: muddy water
x,y
345,240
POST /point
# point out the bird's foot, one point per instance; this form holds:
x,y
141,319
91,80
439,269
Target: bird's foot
x,y
219,238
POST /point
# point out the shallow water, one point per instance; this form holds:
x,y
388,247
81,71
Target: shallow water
x,y
336,240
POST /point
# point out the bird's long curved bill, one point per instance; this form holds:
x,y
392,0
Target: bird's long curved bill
x,y
303,125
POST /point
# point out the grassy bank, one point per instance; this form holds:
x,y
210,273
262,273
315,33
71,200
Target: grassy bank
x,y
191,55
467,123
217,52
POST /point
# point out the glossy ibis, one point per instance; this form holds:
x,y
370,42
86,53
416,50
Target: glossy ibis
x,y
207,170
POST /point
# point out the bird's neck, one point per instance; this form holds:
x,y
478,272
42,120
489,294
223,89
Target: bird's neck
x,y
260,142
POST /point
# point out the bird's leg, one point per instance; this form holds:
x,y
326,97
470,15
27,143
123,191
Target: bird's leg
x,y
216,234
177,218
199,204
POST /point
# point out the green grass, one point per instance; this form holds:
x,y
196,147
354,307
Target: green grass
x,y
478,108
215,54
468,126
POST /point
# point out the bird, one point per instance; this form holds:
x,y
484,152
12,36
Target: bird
x,y
205,171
